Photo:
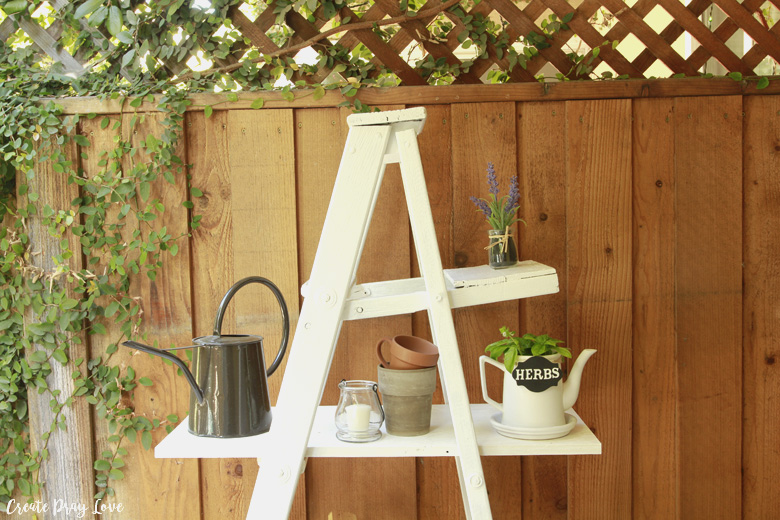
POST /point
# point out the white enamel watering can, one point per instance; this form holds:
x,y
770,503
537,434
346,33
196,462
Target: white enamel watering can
x,y
535,395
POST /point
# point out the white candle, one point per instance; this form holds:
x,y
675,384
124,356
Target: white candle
x,y
357,417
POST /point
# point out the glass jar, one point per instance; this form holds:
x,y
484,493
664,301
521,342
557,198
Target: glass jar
x,y
359,413
502,249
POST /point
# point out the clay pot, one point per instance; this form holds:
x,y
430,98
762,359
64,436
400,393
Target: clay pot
x,y
407,353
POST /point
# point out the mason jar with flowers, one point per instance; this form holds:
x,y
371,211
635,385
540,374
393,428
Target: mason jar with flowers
x,y
501,214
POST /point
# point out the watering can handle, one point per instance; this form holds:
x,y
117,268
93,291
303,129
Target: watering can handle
x,y
285,316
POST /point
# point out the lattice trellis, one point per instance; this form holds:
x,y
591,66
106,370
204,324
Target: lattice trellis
x,y
692,36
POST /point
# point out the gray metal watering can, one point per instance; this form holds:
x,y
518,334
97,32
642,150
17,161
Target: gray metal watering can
x,y
229,380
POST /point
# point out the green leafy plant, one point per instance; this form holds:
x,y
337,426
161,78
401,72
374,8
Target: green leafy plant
x,y
511,347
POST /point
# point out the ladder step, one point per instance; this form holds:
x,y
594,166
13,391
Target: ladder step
x,y
439,442
410,115
465,287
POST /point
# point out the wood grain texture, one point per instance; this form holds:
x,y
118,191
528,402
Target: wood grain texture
x,y
166,307
386,256
483,133
67,474
243,163
438,488
541,131
223,486
654,339
454,94
167,484
708,262
761,329
598,215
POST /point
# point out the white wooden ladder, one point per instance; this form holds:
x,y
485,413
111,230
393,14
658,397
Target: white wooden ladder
x,y
374,141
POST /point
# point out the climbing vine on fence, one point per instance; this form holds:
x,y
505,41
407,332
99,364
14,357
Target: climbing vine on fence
x,y
47,313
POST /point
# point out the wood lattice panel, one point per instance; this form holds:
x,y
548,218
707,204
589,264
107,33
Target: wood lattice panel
x,y
678,38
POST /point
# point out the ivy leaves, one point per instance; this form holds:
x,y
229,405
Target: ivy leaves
x,y
15,6
88,7
110,15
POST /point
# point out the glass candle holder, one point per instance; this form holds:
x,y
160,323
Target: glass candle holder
x,y
359,413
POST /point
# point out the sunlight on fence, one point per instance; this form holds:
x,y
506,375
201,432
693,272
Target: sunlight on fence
x,y
491,41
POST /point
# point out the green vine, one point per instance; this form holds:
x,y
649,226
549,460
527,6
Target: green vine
x,y
45,314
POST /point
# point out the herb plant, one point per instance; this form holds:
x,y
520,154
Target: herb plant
x,y
511,347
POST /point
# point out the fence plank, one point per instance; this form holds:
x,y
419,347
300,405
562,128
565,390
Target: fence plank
x,y
167,483
453,94
598,216
708,159
654,340
67,473
223,489
761,330
483,133
245,169
543,186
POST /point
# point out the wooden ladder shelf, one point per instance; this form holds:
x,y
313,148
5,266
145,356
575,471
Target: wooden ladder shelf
x,y
301,428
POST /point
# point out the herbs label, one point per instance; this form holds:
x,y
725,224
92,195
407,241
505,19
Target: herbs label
x,y
537,374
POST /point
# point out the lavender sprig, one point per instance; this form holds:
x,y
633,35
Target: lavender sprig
x,y
513,202
499,212
492,180
482,206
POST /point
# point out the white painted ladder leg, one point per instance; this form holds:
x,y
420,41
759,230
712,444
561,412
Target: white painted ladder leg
x,y
311,352
472,479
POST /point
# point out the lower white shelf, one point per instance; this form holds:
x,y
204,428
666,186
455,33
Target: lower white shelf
x,y
439,442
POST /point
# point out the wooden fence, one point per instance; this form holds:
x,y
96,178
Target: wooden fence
x,y
661,216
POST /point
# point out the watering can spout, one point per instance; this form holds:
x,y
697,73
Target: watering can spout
x,y
178,362
571,388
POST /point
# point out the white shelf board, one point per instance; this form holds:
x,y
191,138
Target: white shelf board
x,y
465,287
439,442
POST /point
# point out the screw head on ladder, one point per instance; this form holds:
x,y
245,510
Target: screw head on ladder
x,y
328,297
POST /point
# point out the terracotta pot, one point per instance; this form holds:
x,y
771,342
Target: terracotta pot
x,y
407,353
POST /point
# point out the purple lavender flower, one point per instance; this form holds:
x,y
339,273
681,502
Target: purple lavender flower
x,y
482,206
513,201
492,180
500,212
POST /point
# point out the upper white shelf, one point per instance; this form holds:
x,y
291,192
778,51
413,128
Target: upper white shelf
x,y
439,442
466,287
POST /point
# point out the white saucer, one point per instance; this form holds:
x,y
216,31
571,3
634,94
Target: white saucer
x,y
552,432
